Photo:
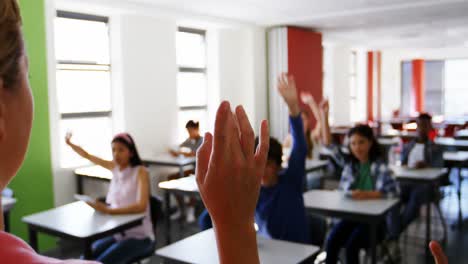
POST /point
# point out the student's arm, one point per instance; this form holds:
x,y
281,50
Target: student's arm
x,y
309,100
326,134
228,176
296,164
136,208
96,160
366,195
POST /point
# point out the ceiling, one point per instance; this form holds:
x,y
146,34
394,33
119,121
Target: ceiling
x,y
380,23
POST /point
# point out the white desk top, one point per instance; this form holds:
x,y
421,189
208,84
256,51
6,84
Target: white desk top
x,y
186,184
168,159
428,174
314,164
94,172
336,201
451,142
8,203
79,220
201,248
460,156
387,141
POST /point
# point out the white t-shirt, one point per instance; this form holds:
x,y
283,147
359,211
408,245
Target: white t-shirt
x,y
416,155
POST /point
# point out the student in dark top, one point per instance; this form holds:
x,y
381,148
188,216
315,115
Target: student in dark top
x,y
419,153
280,211
188,148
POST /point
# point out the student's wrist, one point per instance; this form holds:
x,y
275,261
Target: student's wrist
x,y
237,243
294,109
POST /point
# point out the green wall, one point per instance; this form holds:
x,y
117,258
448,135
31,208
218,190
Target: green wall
x,y
33,185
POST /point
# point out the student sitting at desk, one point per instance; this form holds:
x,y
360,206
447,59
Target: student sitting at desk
x,y
129,193
280,210
419,153
189,149
365,176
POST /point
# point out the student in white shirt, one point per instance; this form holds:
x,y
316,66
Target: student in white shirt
x,y
419,153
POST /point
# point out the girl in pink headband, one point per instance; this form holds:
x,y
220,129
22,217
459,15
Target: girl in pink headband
x,y
128,194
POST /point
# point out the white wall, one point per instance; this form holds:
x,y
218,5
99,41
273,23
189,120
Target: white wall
x,y
242,70
149,81
338,71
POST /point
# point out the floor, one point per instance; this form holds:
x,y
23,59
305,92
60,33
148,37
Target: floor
x,y
412,244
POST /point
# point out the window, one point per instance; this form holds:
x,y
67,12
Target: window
x,y
191,79
83,79
456,87
446,87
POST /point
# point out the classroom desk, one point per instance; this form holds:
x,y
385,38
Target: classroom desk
x,y
182,186
457,144
387,142
188,186
7,204
168,160
91,172
335,204
457,159
402,134
431,176
78,221
201,248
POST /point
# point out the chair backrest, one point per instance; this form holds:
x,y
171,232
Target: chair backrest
x,y
156,209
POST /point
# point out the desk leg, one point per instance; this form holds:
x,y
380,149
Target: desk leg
x,y
88,250
460,215
79,184
373,242
33,238
428,230
168,216
6,221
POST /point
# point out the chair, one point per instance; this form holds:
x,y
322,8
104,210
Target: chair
x,y
156,213
7,192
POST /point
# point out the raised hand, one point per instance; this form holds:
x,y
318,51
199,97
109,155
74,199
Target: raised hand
x,y
438,253
325,107
68,137
229,170
287,89
307,98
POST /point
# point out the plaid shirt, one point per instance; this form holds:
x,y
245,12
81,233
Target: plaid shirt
x,y
381,175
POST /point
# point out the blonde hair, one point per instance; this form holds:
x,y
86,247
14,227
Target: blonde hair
x,y
11,44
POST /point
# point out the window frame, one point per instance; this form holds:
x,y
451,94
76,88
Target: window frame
x,y
67,65
200,70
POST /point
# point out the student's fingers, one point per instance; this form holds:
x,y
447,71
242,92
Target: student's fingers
x,y
291,82
203,158
438,253
263,146
247,133
221,132
237,155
